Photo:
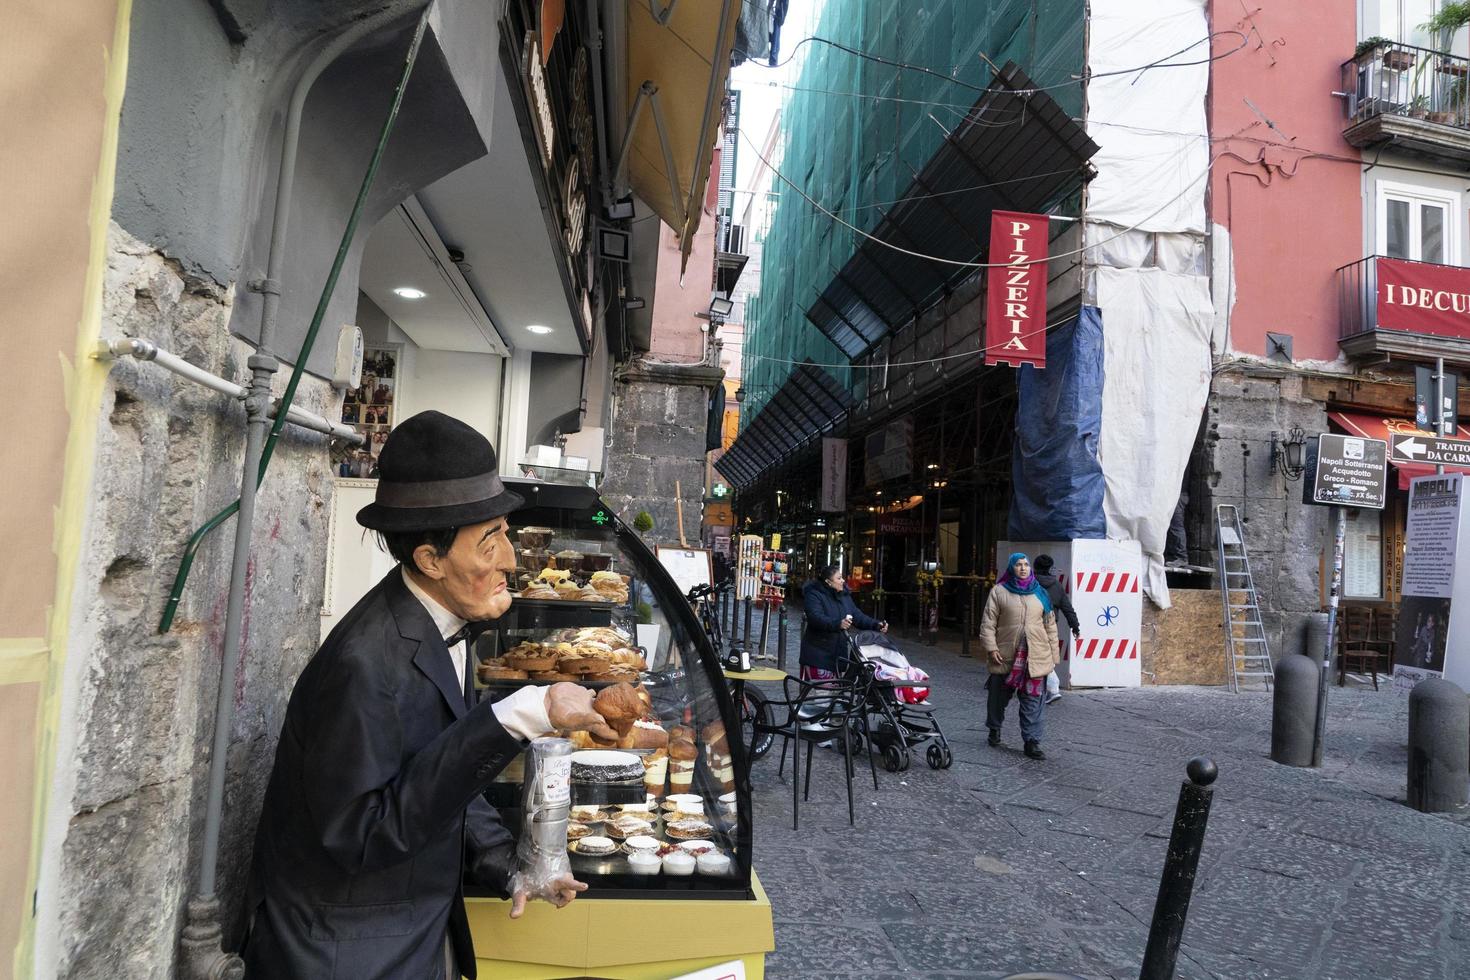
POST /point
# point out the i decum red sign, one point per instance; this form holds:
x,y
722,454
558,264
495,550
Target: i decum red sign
x,y
1015,305
1420,297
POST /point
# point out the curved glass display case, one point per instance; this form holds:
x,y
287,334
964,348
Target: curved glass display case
x,y
666,809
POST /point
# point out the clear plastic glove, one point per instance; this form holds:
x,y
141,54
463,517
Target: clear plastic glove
x,y
559,890
569,708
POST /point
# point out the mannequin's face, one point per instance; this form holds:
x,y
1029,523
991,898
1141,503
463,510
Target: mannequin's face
x,y
471,580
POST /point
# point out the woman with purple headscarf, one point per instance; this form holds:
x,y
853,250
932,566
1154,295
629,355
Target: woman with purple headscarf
x,y
1018,632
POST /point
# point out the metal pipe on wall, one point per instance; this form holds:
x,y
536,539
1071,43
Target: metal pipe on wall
x,y
147,350
202,942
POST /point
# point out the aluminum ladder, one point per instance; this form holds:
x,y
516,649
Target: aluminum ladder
x,y
1246,649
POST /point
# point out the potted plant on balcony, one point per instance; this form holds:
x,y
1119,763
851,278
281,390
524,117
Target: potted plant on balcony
x,y
1444,25
1369,44
1419,107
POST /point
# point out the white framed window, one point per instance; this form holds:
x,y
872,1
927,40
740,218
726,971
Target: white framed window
x,y
1418,223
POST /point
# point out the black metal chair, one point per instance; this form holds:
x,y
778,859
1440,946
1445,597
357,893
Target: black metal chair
x,y
816,711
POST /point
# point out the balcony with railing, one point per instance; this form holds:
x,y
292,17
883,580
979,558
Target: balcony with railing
x,y
1414,99
1397,308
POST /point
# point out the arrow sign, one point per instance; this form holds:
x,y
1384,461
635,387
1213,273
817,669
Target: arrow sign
x,y
1433,450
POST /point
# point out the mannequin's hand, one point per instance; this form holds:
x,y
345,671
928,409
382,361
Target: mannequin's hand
x,y
563,889
569,707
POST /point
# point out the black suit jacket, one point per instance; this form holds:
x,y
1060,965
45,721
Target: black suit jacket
x,y
374,804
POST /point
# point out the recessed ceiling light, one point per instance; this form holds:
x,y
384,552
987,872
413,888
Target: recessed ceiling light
x,y
538,328
408,292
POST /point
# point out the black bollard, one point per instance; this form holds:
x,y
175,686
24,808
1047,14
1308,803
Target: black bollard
x,y
747,621
1439,746
1177,883
725,610
765,625
781,637
1293,710
734,622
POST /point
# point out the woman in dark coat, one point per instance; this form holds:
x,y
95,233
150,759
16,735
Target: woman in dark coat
x,y
829,611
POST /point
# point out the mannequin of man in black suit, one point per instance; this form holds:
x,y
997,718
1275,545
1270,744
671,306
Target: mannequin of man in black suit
x,y
375,813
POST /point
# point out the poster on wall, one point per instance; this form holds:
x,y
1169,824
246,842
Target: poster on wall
x,y
370,409
1362,571
1428,607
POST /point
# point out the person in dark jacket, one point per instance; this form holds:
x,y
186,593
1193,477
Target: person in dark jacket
x,y
374,814
1061,602
829,612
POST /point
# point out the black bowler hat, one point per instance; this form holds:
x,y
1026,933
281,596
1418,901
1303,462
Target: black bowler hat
x,y
436,472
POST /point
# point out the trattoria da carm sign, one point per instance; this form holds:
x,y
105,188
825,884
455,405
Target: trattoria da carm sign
x,y
1420,297
1015,305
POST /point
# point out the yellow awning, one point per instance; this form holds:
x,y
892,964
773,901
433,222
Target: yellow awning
x,y
686,62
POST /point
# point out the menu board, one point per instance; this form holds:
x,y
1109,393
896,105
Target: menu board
x,y
1427,606
1362,570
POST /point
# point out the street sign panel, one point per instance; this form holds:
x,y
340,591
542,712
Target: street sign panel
x,y
1346,471
1411,447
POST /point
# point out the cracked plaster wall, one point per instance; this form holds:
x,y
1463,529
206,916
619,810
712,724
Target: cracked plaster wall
x,y
127,812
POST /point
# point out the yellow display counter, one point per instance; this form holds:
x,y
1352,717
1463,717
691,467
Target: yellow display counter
x,y
621,939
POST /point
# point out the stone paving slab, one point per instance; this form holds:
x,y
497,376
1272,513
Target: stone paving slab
x,y
1003,864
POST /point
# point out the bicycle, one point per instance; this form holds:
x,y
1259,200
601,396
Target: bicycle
x,y
752,704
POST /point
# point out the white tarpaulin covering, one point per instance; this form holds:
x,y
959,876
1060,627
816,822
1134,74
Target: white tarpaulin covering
x,y
1150,125
1150,284
1156,377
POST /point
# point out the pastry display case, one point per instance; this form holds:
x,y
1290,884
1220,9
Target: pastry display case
x,y
663,811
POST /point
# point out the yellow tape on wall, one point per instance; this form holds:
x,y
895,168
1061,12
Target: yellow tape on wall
x,y
84,379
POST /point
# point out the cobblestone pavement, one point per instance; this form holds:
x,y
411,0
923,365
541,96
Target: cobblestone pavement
x,y
1004,864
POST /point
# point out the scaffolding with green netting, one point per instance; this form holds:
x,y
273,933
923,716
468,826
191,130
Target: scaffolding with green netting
x,y
855,130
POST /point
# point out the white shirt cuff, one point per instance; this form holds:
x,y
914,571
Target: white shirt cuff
x,y
523,713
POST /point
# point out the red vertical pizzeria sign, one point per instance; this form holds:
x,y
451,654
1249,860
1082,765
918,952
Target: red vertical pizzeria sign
x,y
1015,307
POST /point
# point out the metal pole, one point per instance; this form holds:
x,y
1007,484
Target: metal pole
x,y
1177,883
748,628
1439,426
969,619
765,625
781,637
1319,734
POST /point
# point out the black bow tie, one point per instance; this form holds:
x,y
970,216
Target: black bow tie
x,y
469,631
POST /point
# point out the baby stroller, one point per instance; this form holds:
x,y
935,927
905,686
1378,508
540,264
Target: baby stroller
x,y
896,702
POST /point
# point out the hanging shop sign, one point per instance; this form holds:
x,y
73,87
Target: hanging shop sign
x,y
1420,297
1015,303
834,475
542,119
1346,471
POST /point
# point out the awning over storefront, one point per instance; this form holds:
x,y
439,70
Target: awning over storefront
x,y
1016,150
808,405
678,62
1385,427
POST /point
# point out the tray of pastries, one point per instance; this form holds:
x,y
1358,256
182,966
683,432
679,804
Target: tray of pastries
x,y
591,655
563,585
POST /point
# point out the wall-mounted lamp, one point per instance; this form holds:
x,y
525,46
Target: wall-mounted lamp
x,y
1287,452
740,394
634,303
720,307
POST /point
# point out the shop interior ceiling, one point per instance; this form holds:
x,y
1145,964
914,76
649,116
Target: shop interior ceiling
x,y
490,211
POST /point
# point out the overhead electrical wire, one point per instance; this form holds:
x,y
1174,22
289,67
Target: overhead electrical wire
x,y
958,262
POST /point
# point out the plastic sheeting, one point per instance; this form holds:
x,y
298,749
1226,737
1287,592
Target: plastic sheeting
x,y
1057,481
1157,352
1150,124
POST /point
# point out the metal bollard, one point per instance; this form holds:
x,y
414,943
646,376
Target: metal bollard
x,y
734,622
1177,883
781,637
1439,746
765,625
1294,710
747,621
